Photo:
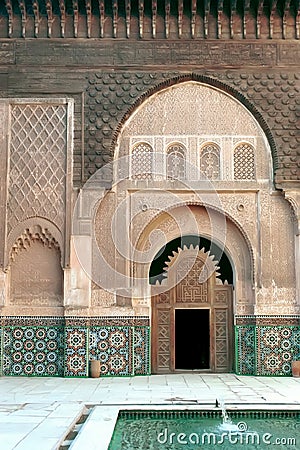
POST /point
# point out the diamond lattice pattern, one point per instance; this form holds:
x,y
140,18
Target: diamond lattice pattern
x,y
37,163
244,163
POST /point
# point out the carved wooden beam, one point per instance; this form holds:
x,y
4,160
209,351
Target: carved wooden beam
x,y
193,17
10,13
219,19
36,12
232,14
115,17
298,20
258,18
141,18
88,7
286,9
206,14
128,17
102,17
76,16
22,6
49,17
245,16
273,4
167,17
154,17
180,17
62,8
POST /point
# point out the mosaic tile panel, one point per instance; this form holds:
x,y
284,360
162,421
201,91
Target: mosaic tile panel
x,y
113,347
245,350
76,355
35,351
141,346
276,348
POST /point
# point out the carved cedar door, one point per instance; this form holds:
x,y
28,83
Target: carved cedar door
x,y
191,283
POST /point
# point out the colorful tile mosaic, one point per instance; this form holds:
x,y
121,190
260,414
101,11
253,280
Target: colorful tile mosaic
x,y
141,348
113,347
276,348
245,350
36,351
76,353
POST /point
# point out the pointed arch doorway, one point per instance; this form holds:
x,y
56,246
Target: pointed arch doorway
x,y
192,318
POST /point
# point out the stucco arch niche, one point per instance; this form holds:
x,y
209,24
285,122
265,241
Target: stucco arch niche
x,y
176,223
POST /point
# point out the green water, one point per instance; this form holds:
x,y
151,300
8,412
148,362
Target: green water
x,y
244,432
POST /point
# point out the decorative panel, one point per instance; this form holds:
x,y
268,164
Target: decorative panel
x,y
36,351
142,162
245,357
113,347
141,347
244,162
210,162
38,160
175,162
190,289
163,340
221,339
76,354
36,274
276,348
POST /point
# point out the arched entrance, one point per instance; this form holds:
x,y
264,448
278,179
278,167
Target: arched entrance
x,y
192,319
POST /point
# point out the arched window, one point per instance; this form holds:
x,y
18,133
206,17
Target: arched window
x,y
243,162
142,162
210,161
175,162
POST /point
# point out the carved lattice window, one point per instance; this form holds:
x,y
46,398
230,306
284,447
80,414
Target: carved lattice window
x,y
142,162
243,162
210,161
176,162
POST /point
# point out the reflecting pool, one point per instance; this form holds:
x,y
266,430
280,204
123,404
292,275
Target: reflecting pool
x,y
175,430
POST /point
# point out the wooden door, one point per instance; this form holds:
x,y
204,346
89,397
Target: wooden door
x,y
193,284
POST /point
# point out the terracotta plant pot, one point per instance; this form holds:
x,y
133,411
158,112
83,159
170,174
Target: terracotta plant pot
x,y
95,368
296,369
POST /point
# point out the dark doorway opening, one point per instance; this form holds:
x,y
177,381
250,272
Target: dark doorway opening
x,y
192,339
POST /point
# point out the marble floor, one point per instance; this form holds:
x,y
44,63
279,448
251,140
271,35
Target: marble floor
x,y
39,412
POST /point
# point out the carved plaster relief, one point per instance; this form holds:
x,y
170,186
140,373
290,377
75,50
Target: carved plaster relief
x,y
39,148
36,274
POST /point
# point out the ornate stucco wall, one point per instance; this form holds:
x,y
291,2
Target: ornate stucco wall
x,y
74,92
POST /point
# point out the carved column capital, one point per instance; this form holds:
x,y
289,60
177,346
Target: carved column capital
x,y
293,197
